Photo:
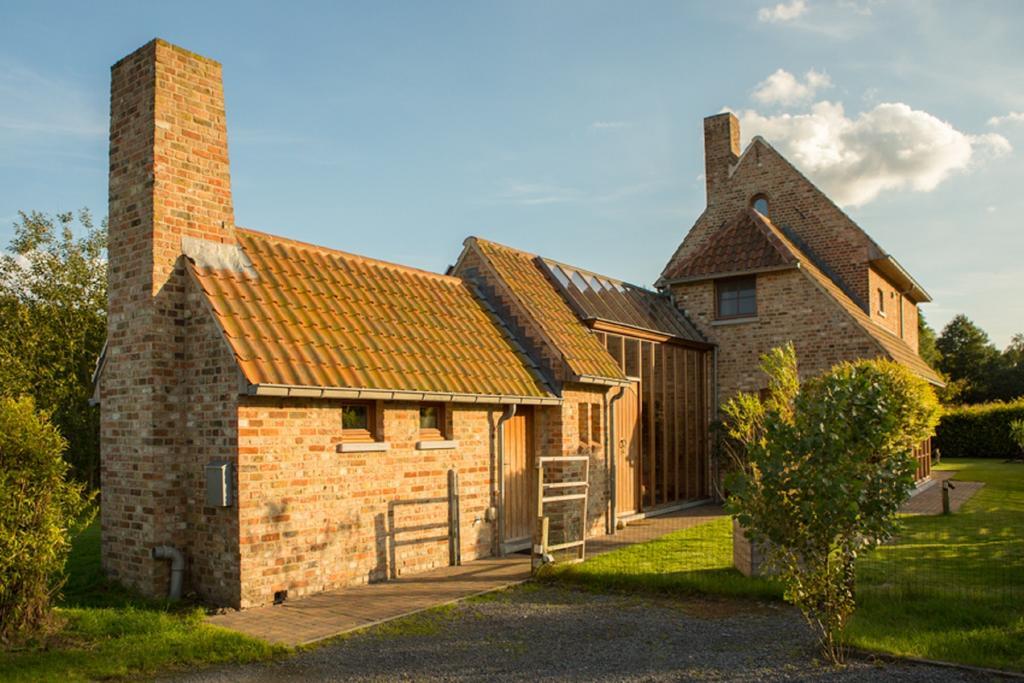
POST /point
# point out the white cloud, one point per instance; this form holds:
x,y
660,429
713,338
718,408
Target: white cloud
x,y
610,125
783,88
539,193
782,11
1012,117
37,104
889,147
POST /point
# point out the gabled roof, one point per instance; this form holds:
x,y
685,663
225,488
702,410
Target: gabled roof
x,y
601,298
522,278
745,245
889,344
302,316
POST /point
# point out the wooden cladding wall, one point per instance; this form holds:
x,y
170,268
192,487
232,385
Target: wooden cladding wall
x,y
923,453
673,416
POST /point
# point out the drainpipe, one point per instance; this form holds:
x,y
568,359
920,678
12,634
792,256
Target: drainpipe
x,y
166,552
510,411
613,468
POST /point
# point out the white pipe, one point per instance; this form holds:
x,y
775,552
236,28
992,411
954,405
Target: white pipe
x,y
166,552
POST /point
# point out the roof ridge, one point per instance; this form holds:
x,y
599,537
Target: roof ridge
x,y
492,243
309,246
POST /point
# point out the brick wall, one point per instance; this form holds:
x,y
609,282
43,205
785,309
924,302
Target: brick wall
x,y
789,308
900,314
168,178
794,202
313,519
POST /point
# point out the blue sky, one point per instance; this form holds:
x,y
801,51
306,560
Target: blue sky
x,y
571,129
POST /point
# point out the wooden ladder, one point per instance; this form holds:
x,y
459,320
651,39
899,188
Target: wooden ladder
x,y
559,491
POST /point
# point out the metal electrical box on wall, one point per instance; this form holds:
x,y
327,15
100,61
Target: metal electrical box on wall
x,y
218,484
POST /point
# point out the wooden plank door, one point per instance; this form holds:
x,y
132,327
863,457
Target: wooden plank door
x,y
627,451
519,479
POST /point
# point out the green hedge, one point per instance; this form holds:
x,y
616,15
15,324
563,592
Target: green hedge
x,y
979,431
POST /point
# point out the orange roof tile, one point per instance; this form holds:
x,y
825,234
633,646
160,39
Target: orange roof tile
x,y
744,246
890,345
315,317
522,274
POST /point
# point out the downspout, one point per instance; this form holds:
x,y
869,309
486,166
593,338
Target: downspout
x,y
613,461
510,411
166,552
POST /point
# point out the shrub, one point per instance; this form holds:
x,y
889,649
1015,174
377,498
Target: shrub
x,y
38,508
979,431
828,464
1017,433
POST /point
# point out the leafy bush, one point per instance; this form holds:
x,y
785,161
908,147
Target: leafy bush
x,y
828,464
1017,433
38,507
979,431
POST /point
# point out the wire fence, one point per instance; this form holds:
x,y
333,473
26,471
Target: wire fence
x,y
970,559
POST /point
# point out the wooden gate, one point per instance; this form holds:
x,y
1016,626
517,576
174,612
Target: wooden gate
x,y
519,480
627,451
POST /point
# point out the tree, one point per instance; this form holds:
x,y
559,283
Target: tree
x,y
53,300
1007,382
968,356
926,339
828,464
38,508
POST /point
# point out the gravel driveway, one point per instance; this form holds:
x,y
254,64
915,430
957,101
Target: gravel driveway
x,y
537,632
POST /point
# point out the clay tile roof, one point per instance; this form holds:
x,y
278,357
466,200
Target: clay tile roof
x,y
890,345
522,275
599,297
308,316
743,246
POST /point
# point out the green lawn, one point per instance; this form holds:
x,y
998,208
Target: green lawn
x,y
110,633
949,588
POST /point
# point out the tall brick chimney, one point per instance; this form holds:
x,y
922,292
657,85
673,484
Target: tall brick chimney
x,y
169,179
721,150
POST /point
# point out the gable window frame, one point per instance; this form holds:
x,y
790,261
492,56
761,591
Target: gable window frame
x,y
440,431
360,430
730,285
881,302
760,200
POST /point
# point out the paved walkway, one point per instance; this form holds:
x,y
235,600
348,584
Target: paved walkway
x,y
929,501
307,620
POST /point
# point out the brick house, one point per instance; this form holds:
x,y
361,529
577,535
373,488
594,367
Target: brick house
x,y
288,417
285,416
772,260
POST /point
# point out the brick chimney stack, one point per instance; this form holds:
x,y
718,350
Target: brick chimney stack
x,y
169,179
721,151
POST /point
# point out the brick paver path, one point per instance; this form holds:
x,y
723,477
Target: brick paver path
x,y
929,501
313,618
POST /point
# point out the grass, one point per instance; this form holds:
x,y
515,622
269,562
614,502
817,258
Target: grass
x,y
104,631
949,588
952,588
694,560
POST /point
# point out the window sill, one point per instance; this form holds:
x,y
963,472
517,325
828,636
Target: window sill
x,y
881,314
367,447
734,321
437,445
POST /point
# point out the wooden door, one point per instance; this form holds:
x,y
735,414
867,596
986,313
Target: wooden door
x,y
519,479
627,451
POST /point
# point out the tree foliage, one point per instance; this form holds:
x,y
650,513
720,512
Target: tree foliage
x,y
53,301
828,464
926,343
38,507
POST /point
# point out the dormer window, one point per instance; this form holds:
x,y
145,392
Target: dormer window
x,y
760,204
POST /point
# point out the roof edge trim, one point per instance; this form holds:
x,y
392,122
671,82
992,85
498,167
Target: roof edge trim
x,y
301,391
732,273
891,268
